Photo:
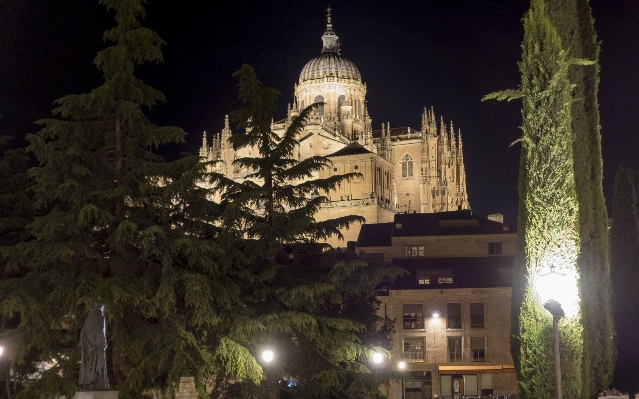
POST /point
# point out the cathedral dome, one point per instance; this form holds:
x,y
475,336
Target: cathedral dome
x,y
330,63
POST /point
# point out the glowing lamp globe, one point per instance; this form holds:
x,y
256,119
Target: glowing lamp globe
x,y
561,287
435,315
1,350
553,285
402,365
267,356
377,358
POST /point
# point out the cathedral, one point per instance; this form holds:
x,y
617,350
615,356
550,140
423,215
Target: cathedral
x,y
402,169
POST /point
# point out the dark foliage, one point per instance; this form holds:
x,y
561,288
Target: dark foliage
x,y
624,273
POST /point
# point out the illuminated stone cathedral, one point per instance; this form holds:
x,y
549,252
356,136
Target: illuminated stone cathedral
x,y
402,169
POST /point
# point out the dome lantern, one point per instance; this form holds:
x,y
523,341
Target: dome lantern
x,y
330,62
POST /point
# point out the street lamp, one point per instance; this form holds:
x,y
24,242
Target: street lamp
x,y
402,366
267,356
553,281
377,358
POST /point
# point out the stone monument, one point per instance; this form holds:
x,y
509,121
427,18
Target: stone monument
x,y
186,390
93,369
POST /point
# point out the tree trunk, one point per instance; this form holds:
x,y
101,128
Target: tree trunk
x,y
117,363
8,383
118,160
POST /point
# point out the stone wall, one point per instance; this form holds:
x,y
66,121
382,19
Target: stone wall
x,y
447,246
435,333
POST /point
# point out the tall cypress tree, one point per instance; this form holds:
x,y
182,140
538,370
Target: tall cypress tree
x,y
548,213
624,273
316,308
575,25
120,226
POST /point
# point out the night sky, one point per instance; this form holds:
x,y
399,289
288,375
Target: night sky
x,y
411,54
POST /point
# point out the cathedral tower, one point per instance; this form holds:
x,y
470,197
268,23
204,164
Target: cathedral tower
x,y
334,80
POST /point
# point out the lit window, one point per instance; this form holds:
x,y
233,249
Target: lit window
x,y
494,248
407,166
478,347
423,280
414,350
340,101
454,349
320,109
413,317
414,250
445,277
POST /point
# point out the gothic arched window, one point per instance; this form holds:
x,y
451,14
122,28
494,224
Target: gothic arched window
x,y
320,109
340,102
359,109
407,166
302,109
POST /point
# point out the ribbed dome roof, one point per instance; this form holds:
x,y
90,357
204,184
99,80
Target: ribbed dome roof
x,y
330,64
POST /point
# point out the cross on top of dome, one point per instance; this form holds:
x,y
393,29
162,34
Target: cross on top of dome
x,y
330,39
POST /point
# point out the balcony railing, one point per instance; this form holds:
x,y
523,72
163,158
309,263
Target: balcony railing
x,y
476,321
455,356
479,355
454,322
414,356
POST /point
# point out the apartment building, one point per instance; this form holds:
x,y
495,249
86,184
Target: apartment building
x,y
452,309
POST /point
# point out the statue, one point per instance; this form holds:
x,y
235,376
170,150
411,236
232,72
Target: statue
x,y
93,369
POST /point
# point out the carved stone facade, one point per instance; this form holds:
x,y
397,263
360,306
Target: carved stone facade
x,y
403,169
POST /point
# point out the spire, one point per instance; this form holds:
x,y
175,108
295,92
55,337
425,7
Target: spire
x,y
226,134
451,141
431,125
203,149
460,154
387,144
330,39
424,122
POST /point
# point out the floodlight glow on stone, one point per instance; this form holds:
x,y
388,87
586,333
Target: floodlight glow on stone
x,y
377,358
267,356
1,350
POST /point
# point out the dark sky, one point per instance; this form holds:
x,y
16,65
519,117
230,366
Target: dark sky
x,y
411,54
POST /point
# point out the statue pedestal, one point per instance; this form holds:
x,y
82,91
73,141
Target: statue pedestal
x,y
96,395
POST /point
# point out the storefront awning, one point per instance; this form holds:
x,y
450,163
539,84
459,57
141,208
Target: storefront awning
x,y
494,369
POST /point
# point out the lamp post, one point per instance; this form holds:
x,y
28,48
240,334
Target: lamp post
x,y
554,279
402,366
268,356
